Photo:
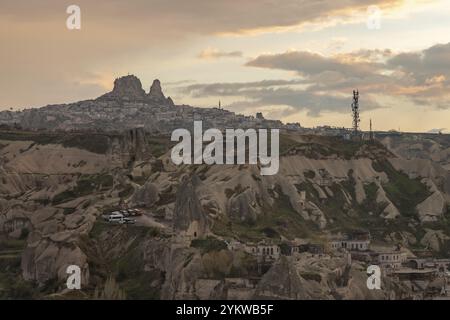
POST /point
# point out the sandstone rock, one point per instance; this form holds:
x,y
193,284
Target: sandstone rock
x,y
155,92
207,289
74,220
316,215
405,238
145,196
46,260
243,206
322,194
181,274
357,287
142,170
434,239
360,193
390,211
282,281
134,144
170,101
126,88
189,216
433,207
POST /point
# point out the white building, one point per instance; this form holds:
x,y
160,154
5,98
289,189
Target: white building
x,y
351,245
264,251
391,260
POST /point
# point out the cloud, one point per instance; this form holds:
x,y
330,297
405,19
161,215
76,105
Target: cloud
x,y
194,16
325,83
211,53
426,66
232,88
294,94
437,130
423,77
311,64
38,50
179,82
297,99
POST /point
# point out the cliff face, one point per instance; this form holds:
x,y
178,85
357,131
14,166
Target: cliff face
x,y
51,187
188,215
134,143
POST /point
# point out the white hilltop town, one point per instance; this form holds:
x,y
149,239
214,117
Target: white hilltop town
x,y
129,106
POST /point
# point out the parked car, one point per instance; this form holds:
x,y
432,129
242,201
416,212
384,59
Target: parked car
x,y
129,221
110,214
126,213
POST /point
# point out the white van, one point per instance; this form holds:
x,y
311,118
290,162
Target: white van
x,y
110,214
115,217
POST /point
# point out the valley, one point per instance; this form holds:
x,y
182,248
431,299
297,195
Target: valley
x,y
203,222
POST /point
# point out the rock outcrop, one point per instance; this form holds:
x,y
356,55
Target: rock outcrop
x,y
189,217
390,211
145,196
433,207
127,88
282,281
45,259
242,206
155,92
434,239
135,143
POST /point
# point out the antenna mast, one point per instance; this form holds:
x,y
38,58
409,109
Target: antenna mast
x,y
371,131
355,112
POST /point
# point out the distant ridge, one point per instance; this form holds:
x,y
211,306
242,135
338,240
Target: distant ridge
x,y
128,106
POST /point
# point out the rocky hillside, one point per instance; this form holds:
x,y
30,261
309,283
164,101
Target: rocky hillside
x,y
435,147
54,188
128,106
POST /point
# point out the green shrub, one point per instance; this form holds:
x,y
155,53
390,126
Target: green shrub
x,y
209,244
309,174
405,193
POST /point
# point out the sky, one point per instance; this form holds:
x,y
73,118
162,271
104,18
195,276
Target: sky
x,y
294,60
